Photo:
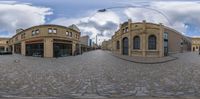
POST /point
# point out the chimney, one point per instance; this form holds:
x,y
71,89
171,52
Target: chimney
x,y
129,21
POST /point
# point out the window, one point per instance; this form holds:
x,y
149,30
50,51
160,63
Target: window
x,y
23,35
70,34
118,45
50,30
165,44
126,30
136,42
33,33
152,42
76,36
165,35
37,31
54,30
16,38
67,33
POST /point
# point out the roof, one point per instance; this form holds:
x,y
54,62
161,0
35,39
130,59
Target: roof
x,y
195,37
4,38
87,36
74,27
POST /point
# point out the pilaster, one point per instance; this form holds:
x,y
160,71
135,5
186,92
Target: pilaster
x,y
48,47
130,38
161,41
23,48
144,39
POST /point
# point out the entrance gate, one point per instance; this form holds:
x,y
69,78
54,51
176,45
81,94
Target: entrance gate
x,y
125,46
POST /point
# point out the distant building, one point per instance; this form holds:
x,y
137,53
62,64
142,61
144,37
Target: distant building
x,y
148,40
4,44
85,40
90,44
95,46
85,44
195,44
107,45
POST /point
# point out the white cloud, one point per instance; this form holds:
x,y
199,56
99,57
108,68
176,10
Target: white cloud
x,y
180,13
139,14
103,18
14,15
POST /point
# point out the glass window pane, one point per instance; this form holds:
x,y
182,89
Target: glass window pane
x,y
50,30
54,30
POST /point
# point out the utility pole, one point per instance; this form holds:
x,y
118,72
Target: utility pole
x,y
96,39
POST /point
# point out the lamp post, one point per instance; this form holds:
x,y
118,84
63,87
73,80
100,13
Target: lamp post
x,y
96,39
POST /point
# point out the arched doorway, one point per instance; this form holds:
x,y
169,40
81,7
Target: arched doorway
x,y
125,46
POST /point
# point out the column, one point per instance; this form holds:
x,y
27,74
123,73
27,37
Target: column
x,y
23,48
73,48
161,41
120,40
48,47
144,44
5,48
130,38
13,49
144,39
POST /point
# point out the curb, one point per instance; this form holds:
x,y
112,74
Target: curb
x,y
139,62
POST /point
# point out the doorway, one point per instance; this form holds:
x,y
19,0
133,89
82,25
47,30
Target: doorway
x,y
62,49
125,46
36,50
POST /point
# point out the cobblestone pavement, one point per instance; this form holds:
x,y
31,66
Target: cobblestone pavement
x,y
98,74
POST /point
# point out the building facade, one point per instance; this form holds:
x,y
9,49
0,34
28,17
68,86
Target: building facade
x,y
85,43
4,44
148,40
45,41
107,45
195,44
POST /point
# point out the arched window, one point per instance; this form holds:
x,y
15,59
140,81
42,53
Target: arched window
x,y
136,42
152,42
118,45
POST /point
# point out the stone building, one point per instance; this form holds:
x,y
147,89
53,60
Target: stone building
x,y
107,45
148,40
195,44
4,44
85,43
45,41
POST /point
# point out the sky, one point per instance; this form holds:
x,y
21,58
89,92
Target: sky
x,y
184,16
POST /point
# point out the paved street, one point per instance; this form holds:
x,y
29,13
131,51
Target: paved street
x,y
98,74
